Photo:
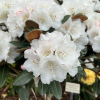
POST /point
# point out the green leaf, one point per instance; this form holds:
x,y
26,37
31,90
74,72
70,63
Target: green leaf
x,y
51,30
83,52
30,84
42,88
76,97
96,87
85,96
80,68
56,89
78,76
19,57
20,44
82,72
65,18
23,78
93,56
91,95
4,71
23,93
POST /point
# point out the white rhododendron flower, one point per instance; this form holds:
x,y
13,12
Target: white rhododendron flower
x,y
95,21
5,38
71,6
56,14
77,29
7,51
41,16
51,70
52,57
66,53
93,34
82,41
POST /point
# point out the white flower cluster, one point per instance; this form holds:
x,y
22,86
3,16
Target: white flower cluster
x,y
7,51
52,57
54,54
44,12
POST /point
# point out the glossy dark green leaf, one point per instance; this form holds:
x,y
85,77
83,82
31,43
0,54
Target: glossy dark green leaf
x,y
4,71
42,88
65,18
20,44
23,93
23,78
56,89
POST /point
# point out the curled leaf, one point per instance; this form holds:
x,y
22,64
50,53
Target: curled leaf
x,y
81,16
33,35
30,23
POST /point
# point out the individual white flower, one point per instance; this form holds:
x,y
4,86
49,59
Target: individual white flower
x,y
54,38
14,29
87,11
73,70
93,34
5,38
45,50
70,6
87,3
82,41
32,5
16,19
95,21
67,53
23,16
46,4
4,49
56,14
65,28
51,70
77,29
32,62
96,45
41,16
4,9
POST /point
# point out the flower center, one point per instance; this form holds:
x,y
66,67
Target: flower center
x,y
52,66
62,54
73,31
71,9
8,5
53,16
41,20
46,53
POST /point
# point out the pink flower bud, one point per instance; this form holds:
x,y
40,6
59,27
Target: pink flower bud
x,y
22,67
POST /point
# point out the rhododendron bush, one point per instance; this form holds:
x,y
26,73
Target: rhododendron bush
x,y
44,43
